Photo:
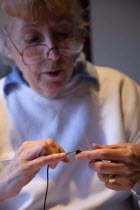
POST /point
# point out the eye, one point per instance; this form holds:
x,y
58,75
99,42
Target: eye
x,y
32,40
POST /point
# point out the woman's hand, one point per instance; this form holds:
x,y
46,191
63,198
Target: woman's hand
x,y
124,163
29,159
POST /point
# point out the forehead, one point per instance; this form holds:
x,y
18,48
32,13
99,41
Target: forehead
x,y
17,25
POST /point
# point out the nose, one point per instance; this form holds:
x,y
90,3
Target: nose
x,y
53,54
52,42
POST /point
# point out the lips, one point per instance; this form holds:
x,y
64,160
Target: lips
x,y
53,73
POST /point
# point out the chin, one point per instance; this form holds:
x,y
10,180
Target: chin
x,y
50,95
52,91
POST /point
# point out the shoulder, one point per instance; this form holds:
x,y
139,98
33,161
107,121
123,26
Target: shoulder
x,y
108,74
119,93
109,78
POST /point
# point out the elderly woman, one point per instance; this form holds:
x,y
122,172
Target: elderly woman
x,y
54,102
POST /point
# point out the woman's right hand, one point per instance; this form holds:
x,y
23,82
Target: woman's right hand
x,y
29,159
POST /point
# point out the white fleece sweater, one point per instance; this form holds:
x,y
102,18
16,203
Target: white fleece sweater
x,y
101,106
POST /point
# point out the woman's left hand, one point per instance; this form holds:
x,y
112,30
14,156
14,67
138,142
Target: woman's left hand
x,y
124,164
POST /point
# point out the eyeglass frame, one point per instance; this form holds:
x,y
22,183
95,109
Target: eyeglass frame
x,y
21,53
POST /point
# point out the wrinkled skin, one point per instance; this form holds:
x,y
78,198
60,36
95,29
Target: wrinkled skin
x,y
29,159
48,81
124,163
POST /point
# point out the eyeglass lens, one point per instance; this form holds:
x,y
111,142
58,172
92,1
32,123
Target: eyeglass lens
x,y
37,53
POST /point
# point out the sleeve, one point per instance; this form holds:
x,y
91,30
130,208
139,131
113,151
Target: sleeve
x,y
131,115
131,110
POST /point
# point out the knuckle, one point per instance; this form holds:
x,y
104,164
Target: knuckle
x,y
44,145
131,156
51,141
103,155
91,165
101,176
25,144
100,167
41,161
129,171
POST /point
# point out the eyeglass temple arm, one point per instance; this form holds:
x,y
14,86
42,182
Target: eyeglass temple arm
x,y
7,34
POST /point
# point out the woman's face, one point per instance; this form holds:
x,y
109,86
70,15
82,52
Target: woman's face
x,y
47,80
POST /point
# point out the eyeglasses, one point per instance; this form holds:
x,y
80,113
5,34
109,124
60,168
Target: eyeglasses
x,y
37,53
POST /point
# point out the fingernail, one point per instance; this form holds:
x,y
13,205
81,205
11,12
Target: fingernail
x,y
62,154
96,146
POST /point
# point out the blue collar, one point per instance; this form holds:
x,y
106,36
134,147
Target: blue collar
x,y
13,80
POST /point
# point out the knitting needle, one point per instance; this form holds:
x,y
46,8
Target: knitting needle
x,y
68,153
5,160
72,153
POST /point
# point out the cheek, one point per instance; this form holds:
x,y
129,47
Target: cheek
x,y
16,57
69,63
30,74
69,60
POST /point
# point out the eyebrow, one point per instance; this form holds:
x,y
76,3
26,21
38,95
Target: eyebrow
x,y
28,29
28,26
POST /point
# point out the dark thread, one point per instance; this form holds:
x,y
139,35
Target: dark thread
x,y
47,187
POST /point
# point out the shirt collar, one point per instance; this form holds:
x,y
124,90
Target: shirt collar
x,y
13,80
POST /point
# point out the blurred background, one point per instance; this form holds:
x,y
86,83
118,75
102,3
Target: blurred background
x,y
115,35
114,38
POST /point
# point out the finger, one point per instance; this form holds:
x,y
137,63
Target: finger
x,y
66,159
120,179
46,160
45,148
110,168
122,155
53,166
113,146
117,146
118,187
53,147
